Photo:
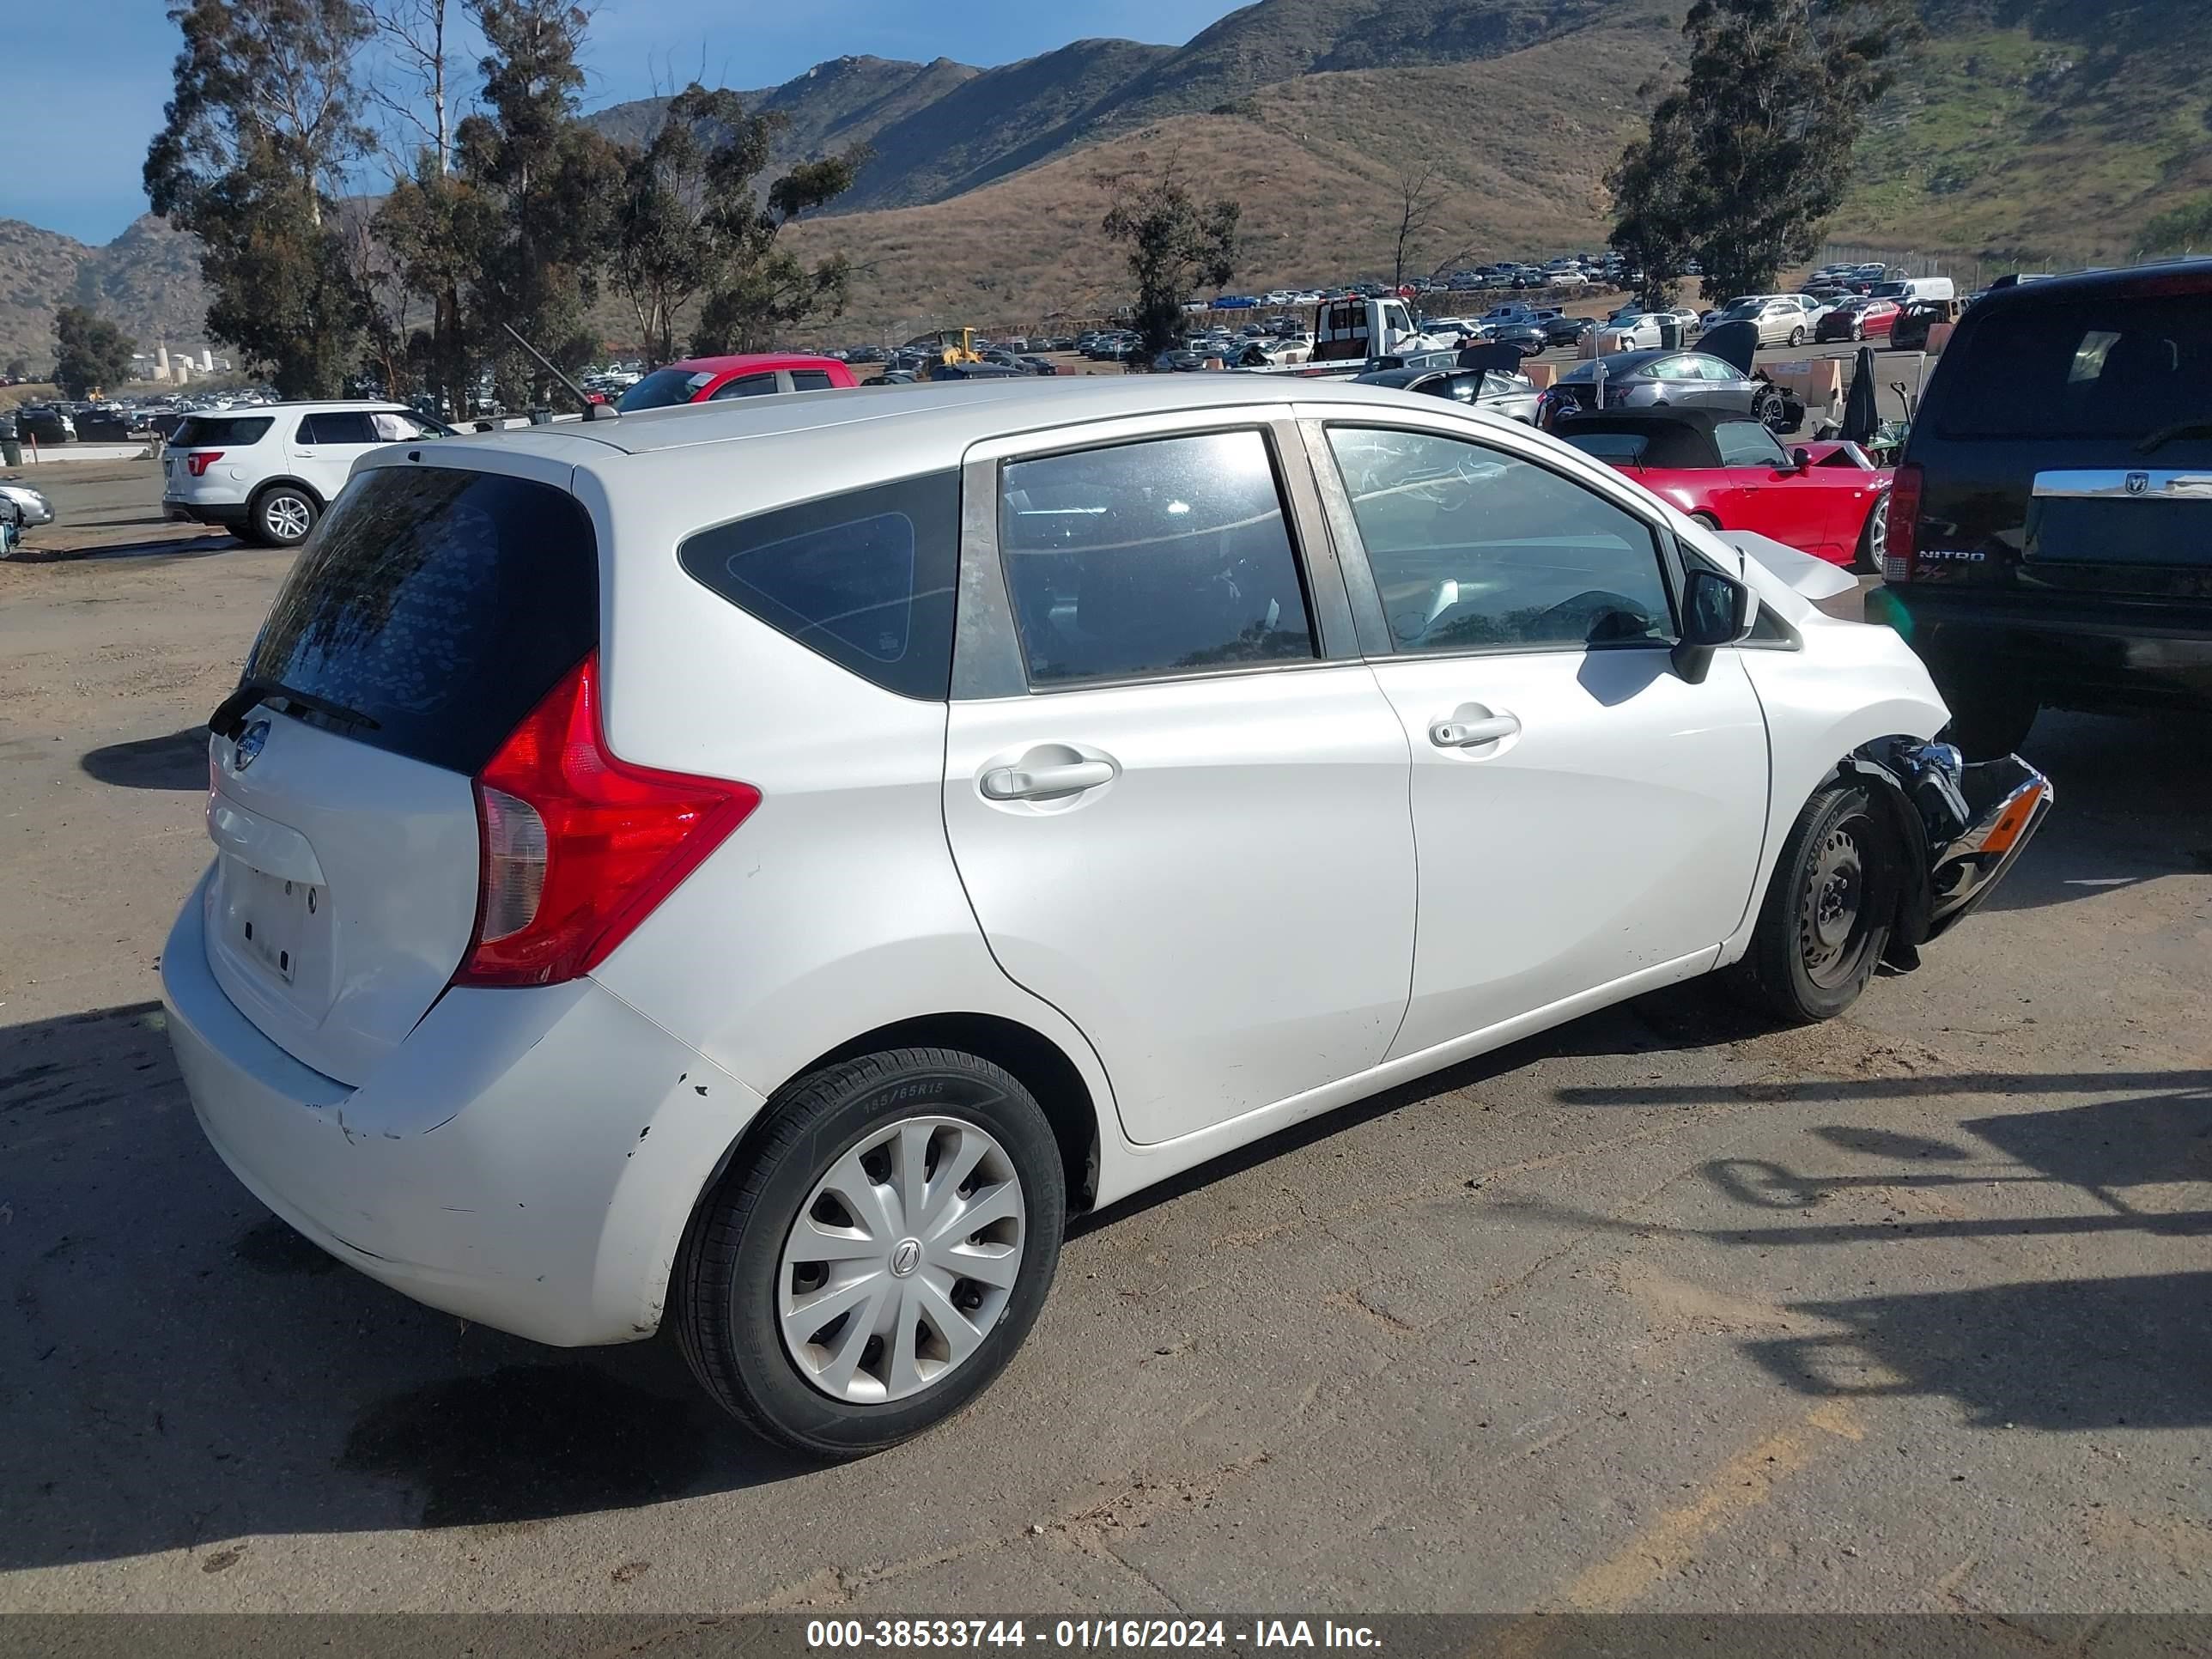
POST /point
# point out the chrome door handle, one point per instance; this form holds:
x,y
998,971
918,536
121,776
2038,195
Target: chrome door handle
x,y
1467,734
1045,782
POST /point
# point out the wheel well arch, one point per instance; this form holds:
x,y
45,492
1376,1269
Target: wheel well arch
x,y
300,484
1035,1061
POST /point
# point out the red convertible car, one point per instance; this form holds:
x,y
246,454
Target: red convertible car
x,y
1730,471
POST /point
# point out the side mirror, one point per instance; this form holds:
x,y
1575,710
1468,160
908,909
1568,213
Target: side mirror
x,y
1801,458
1716,610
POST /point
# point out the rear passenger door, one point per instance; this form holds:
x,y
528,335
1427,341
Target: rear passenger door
x,y
326,445
1176,796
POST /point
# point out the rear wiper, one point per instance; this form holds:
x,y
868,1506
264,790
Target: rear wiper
x,y
2198,426
230,717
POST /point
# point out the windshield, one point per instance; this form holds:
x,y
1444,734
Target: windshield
x,y
664,388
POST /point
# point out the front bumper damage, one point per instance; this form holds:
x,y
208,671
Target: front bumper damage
x,y
1965,827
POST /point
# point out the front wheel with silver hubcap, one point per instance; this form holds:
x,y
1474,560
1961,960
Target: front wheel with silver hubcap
x,y
1826,920
874,1259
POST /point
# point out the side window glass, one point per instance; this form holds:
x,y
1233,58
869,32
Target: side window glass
x,y
336,426
1748,443
809,379
1167,557
752,386
1474,549
866,578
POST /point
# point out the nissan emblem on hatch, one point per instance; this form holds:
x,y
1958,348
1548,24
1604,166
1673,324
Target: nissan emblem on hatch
x,y
250,743
2138,483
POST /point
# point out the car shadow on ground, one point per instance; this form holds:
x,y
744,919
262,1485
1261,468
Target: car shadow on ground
x,y
179,761
181,1368
2107,1181
2134,804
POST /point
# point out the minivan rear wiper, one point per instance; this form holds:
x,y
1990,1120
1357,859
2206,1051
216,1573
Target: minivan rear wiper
x,y
230,717
2196,426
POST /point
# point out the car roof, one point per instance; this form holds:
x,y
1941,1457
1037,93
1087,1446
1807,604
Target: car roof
x,y
376,406
753,360
2146,281
1635,420
943,416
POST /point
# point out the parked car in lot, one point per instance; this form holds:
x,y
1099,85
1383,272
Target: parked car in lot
x,y
1498,390
1859,318
1639,331
1665,380
1729,472
268,474
2051,532
1528,338
45,423
1910,332
567,965
1781,320
746,374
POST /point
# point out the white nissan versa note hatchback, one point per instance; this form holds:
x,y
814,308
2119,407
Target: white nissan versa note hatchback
x,y
763,866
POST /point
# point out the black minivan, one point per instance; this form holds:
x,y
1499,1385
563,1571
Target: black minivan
x,y
2051,527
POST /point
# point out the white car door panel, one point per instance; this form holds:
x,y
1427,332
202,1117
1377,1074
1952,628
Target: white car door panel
x,y
1615,828
1210,873
1582,813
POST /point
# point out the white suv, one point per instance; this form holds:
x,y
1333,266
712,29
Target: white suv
x,y
765,866
267,472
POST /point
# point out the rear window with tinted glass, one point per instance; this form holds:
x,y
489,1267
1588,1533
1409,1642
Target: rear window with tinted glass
x,y
212,431
436,607
866,578
2104,366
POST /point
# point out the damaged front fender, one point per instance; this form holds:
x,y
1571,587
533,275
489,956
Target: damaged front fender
x,y
1963,828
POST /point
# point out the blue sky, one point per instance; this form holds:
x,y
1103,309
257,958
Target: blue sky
x,y
93,75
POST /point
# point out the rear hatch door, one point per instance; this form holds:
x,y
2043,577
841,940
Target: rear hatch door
x,y
2066,443
434,607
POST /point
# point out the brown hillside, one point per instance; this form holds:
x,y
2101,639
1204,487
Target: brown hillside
x,y
1520,143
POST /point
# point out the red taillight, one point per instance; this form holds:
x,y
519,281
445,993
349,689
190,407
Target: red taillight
x,y
198,461
1901,546
577,847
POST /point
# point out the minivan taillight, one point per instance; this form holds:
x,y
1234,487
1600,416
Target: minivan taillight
x,y
1900,550
577,848
198,461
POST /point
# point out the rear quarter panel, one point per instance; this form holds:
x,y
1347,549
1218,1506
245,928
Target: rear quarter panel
x,y
835,909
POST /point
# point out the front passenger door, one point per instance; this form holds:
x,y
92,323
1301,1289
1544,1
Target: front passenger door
x,y
1582,815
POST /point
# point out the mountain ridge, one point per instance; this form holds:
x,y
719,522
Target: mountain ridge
x,y
2035,130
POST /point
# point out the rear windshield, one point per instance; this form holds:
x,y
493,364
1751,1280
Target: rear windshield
x,y
2104,366
664,388
438,606
1614,446
199,431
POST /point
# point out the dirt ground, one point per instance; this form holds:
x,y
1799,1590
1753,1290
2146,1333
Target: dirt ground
x,y
1665,1310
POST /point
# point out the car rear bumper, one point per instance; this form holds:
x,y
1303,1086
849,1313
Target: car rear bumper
x,y
526,1158
229,514
2070,650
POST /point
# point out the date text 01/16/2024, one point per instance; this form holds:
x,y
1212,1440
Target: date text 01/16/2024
x,y
1079,1634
